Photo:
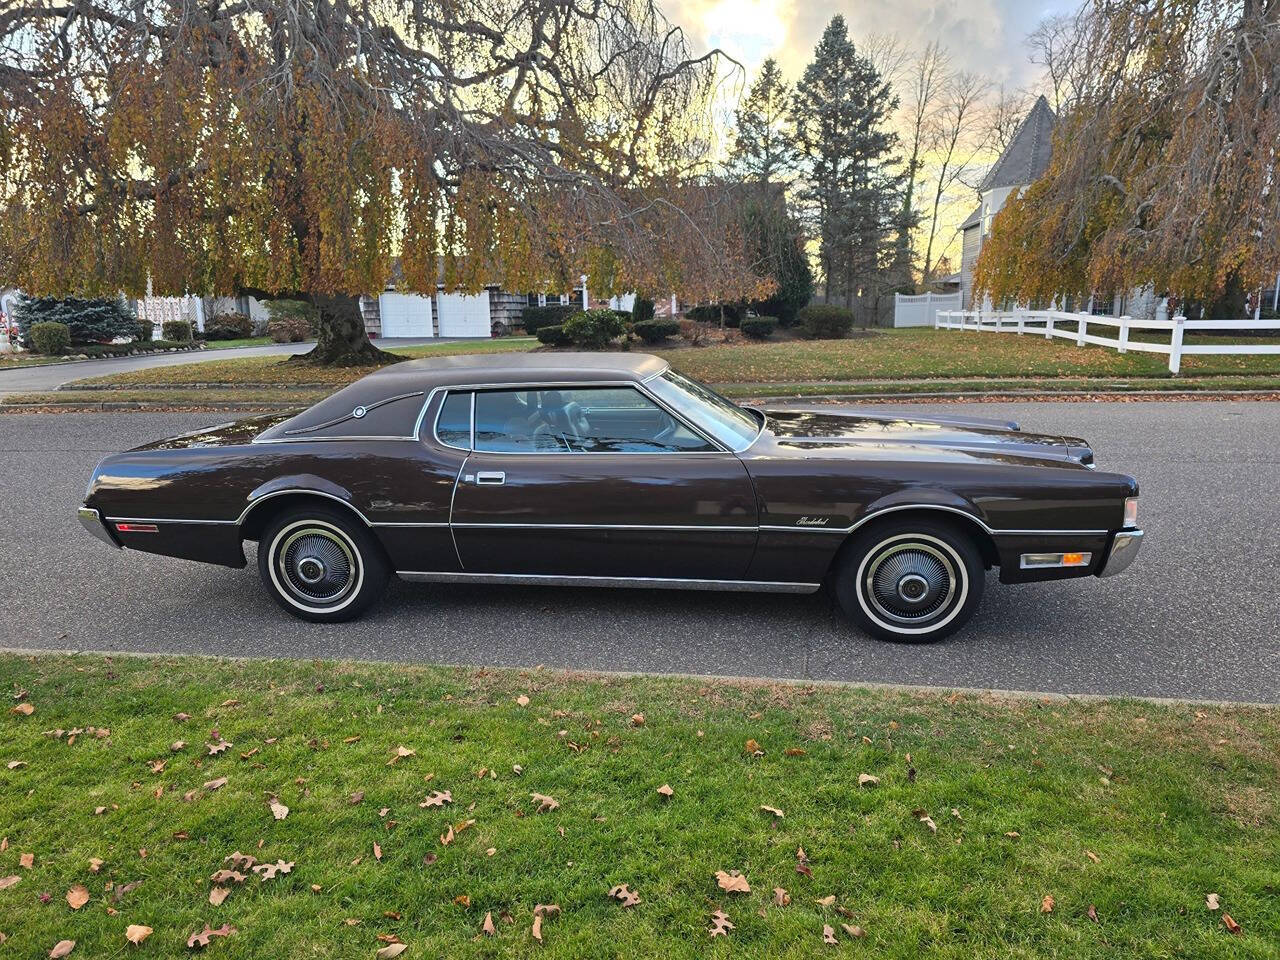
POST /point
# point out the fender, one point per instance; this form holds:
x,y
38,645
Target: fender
x,y
307,483
929,498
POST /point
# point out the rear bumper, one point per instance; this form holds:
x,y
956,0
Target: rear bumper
x,y
1124,550
91,520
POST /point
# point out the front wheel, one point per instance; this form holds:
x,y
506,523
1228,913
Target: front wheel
x,y
912,581
321,565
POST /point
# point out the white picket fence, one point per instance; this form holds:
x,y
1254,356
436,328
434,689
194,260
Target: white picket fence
x,y
1046,322
921,309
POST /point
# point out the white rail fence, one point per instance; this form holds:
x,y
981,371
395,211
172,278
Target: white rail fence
x,y
1047,322
921,309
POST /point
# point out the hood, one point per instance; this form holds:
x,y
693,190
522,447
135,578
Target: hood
x,y
232,434
946,432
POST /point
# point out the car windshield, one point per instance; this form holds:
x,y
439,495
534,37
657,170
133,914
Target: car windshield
x,y
733,426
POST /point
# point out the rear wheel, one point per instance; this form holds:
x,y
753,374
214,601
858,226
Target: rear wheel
x,y
321,565
912,581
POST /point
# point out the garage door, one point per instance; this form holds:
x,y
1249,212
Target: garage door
x,y
464,315
405,315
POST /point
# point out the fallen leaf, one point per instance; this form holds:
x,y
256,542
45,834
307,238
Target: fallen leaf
x,y
773,810
446,838
219,747
217,784
732,882
16,764
720,925
27,860
1092,856
853,930
377,851
627,898
26,710
826,901
794,752
665,790
637,719
268,871
391,950
120,892
77,897
829,935
7,882
438,798
752,749
356,798
780,897
135,933
1211,901
1047,904
222,877
1092,913
488,929
522,700
545,803
278,809
867,780
201,937
1231,925
95,864
240,861
924,818
62,948
401,752
1013,834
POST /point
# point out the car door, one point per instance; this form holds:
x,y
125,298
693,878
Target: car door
x,y
599,482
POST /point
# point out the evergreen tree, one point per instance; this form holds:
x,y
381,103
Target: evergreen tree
x,y
89,321
764,147
779,245
841,111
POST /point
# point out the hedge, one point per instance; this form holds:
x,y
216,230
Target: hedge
x,y
553,335
49,337
759,328
534,318
176,330
228,326
655,331
823,321
594,328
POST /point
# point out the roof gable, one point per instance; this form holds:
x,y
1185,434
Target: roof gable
x,y
1027,156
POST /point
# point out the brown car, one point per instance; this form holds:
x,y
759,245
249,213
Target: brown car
x,y
611,469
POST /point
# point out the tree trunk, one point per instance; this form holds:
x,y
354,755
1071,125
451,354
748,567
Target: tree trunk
x,y
341,340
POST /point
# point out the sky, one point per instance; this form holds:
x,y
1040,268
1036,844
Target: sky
x,y
985,36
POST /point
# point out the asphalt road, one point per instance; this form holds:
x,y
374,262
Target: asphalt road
x,y
1198,616
52,375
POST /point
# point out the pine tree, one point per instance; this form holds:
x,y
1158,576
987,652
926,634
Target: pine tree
x,y
764,147
89,321
841,110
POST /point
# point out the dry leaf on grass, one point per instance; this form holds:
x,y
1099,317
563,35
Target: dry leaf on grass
x,y
826,901
720,925
867,780
773,810
752,749
545,803
217,784
438,798
377,851
732,881
77,897
268,871
219,747
7,882
16,764
666,791
278,809
201,938
240,861
446,838
27,861
219,894
637,719
95,864
1211,901
522,700
391,950
1231,925
1092,913
540,911
794,752
924,818
62,948
829,935
1047,904
488,929
24,710
400,754
222,877
780,897
135,933
628,898
853,930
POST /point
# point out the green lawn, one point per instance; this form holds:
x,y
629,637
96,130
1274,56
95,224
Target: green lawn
x,y
1130,813
239,342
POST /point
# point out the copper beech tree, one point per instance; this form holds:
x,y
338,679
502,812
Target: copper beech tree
x,y
299,149
1164,161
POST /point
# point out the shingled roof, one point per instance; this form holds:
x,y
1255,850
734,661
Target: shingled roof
x,y
1027,155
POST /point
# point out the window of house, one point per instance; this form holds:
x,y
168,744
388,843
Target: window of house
x,y
579,420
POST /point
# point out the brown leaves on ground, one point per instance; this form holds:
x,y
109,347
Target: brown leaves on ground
x,y
240,861
268,871
438,798
77,897
522,700
752,749
720,925
637,719
829,935
135,933
223,877
540,911
27,861
489,930
215,784
1211,901
781,898
278,809
377,851
923,817
221,746
1231,925
401,752
62,948
1047,904
7,882
218,894
628,898
764,808
853,930
95,864
23,710
544,802
16,764
732,881
200,939
391,950
666,791
867,780
446,838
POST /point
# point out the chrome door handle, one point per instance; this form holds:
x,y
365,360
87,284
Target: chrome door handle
x,y
491,478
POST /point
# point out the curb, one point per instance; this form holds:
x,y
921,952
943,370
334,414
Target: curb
x,y
121,356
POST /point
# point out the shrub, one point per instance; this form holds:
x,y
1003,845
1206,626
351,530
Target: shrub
x,y
288,327
228,326
641,311
145,332
823,321
693,331
87,321
176,330
535,318
655,331
593,328
49,337
553,335
710,313
759,328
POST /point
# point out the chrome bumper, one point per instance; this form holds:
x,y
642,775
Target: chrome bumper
x,y
1124,550
91,520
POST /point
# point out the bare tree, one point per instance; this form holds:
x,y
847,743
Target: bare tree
x,y
956,143
927,77
1051,46
1004,115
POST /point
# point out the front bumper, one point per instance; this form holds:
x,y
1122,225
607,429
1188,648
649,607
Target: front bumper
x,y
91,520
1124,550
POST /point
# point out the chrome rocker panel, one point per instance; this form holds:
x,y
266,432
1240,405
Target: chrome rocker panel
x,y
667,583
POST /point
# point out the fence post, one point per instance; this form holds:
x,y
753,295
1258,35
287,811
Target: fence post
x,y
1081,328
1124,333
1048,327
1022,322
1175,345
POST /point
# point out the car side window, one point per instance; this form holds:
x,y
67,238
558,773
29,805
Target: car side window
x,y
579,420
453,426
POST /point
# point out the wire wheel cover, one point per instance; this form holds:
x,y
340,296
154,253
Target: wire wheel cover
x,y
910,581
316,565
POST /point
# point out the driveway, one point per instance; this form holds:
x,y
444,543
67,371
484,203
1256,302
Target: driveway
x,y
51,376
1198,616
